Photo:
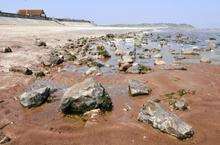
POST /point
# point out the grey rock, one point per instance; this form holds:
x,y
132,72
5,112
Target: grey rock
x,y
152,113
137,88
85,96
35,98
21,69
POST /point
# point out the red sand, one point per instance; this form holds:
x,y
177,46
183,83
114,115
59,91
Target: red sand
x,y
45,125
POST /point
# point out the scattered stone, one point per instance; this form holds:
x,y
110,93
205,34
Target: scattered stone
x,y
3,138
124,66
212,44
92,114
159,62
137,88
119,52
127,59
110,36
158,55
205,60
6,50
21,69
126,62
134,69
40,43
180,105
179,57
152,113
85,96
138,69
94,71
103,52
39,74
189,52
127,108
35,98
174,67
54,58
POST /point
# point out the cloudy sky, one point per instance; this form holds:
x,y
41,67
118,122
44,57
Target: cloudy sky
x,y
200,13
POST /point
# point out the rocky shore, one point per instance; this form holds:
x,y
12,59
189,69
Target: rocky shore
x,y
109,87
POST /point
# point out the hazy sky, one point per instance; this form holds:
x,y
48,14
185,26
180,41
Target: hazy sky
x,y
201,13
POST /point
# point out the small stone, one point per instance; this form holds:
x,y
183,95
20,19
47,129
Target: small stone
x,y
124,66
138,69
174,67
6,50
159,62
119,52
180,105
39,74
212,45
40,43
21,69
127,59
205,60
94,71
137,88
158,55
92,114
189,52
3,138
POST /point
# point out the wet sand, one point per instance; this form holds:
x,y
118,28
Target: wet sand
x,y
45,125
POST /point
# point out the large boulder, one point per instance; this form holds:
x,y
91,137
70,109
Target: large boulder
x,y
137,88
35,98
85,96
152,113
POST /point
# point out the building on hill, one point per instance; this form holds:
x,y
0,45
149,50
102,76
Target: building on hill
x,y
32,13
